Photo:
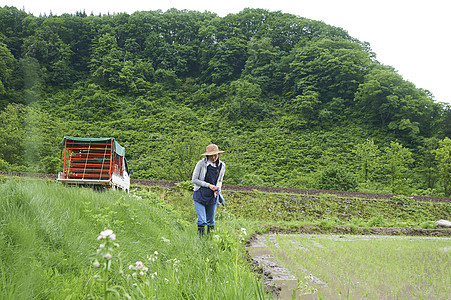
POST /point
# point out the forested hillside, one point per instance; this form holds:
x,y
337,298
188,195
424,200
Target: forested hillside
x,y
294,102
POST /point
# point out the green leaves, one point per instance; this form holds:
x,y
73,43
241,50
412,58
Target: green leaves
x,y
398,161
386,99
7,64
228,60
106,62
287,95
307,105
336,177
11,134
443,156
334,68
368,155
243,102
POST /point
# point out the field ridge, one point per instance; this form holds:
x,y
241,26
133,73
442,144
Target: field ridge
x,y
168,183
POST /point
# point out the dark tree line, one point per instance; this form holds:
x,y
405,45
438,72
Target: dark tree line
x,y
247,79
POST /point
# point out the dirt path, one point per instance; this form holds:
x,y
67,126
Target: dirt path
x,y
166,183
312,229
293,190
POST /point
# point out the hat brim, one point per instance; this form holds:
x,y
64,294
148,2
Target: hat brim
x,y
213,152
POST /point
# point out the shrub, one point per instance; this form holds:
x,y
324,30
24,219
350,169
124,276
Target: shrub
x,y
376,221
187,185
252,180
4,165
335,177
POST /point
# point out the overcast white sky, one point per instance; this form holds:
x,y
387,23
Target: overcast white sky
x,y
410,35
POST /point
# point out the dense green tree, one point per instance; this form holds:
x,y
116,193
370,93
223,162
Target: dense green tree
x,y
12,28
29,138
7,66
307,106
446,121
243,101
54,55
336,177
443,156
12,134
333,68
262,65
398,160
386,99
368,156
228,60
106,61
427,164
136,76
92,103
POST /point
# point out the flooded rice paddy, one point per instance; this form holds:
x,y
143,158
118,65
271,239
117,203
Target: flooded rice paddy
x,y
355,267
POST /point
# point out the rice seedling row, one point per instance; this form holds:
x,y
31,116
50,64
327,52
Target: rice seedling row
x,y
361,267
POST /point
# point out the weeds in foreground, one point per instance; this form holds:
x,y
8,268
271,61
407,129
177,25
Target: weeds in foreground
x,y
146,279
53,229
133,284
104,259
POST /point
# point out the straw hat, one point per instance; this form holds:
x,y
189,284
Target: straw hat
x,y
212,149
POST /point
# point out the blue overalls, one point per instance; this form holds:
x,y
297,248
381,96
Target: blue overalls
x,y
205,201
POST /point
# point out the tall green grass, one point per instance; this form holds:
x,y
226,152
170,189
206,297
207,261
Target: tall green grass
x,y
48,246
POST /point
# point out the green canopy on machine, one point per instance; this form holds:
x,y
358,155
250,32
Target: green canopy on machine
x,y
116,146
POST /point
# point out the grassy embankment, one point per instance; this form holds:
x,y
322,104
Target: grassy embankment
x,y
326,212
49,248
48,239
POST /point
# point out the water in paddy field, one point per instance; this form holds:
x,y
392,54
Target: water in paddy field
x,y
284,256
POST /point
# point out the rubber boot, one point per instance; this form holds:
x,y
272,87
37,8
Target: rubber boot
x,y
210,228
201,230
